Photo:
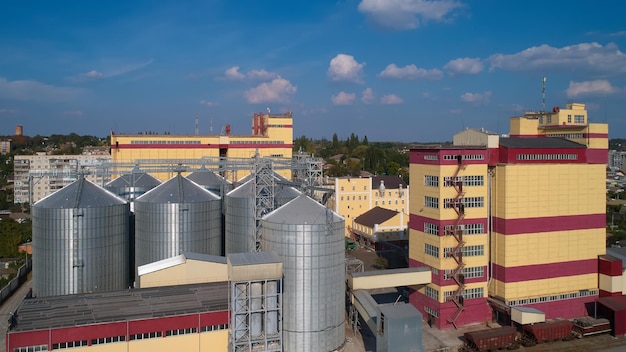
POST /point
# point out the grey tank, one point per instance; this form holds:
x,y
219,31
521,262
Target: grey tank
x,y
177,216
309,239
211,181
239,215
80,241
132,185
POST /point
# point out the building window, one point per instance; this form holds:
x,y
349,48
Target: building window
x,y
431,202
354,188
478,180
468,202
468,251
579,118
469,273
431,250
111,339
469,293
431,293
181,331
431,229
468,229
431,181
431,311
431,157
547,157
342,188
341,198
569,118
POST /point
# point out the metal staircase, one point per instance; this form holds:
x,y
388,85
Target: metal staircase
x,y
456,231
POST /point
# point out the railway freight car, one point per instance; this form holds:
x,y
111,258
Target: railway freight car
x,y
491,339
554,330
588,326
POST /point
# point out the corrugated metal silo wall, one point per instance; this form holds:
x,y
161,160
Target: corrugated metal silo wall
x,y
80,250
164,230
239,224
314,283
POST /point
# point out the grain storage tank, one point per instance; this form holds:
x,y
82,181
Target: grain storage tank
x,y
177,216
309,239
211,181
80,241
239,215
132,185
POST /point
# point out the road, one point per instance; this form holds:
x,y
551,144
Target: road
x,y
10,305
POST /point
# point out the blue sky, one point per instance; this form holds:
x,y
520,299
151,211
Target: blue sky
x,y
391,70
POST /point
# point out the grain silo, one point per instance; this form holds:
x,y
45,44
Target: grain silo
x,y
211,181
177,216
133,184
80,241
239,215
309,239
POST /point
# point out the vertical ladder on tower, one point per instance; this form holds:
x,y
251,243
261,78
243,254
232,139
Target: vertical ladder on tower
x,y
456,231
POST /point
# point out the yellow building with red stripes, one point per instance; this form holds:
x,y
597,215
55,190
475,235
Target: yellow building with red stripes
x,y
272,136
511,222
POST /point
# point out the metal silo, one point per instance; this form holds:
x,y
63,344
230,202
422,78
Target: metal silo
x,y
132,185
177,216
211,181
309,239
80,241
239,215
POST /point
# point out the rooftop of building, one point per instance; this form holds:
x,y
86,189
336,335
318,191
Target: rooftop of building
x,y
374,216
446,147
391,182
177,260
540,143
133,304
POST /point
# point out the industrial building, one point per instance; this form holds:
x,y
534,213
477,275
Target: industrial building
x,y
272,136
354,196
510,222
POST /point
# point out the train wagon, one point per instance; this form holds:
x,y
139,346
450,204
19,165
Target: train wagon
x,y
589,326
554,330
491,339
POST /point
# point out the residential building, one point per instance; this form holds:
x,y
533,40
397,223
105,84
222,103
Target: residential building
x,y
39,175
6,146
511,222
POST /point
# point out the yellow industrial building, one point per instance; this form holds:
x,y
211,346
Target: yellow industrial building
x,y
272,136
511,222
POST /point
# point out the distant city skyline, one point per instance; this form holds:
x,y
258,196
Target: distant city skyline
x,y
391,70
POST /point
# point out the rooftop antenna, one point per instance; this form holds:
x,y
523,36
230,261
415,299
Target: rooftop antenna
x,y
196,124
543,93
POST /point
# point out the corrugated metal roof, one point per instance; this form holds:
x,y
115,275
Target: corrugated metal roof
x,y
42,313
237,259
376,215
204,257
242,191
417,269
136,178
81,193
399,311
206,177
301,210
178,189
548,142
177,260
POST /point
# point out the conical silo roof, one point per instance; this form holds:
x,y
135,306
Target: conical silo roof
x,y
243,191
178,189
81,193
206,177
136,178
301,210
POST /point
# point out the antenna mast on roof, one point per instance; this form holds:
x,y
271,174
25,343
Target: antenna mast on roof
x,y
543,94
196,124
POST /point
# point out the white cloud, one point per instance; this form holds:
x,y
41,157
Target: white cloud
x,y
391,99
278,90
410,72
407,14
74,113
207,103
590,57
257,75
464,66
367,96
93,74
598,87
477,98
37,91
345,68
234,74
118,70
343,98
8,111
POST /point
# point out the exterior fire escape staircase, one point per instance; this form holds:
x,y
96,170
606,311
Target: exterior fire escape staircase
x,y
456,231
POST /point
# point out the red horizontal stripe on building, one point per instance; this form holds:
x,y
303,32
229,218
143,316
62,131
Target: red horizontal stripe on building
x,y
416,222
198,146
565,309
417,156
596,135
510,155
544,271
609,265
260,146
597,156
604,293
549,224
